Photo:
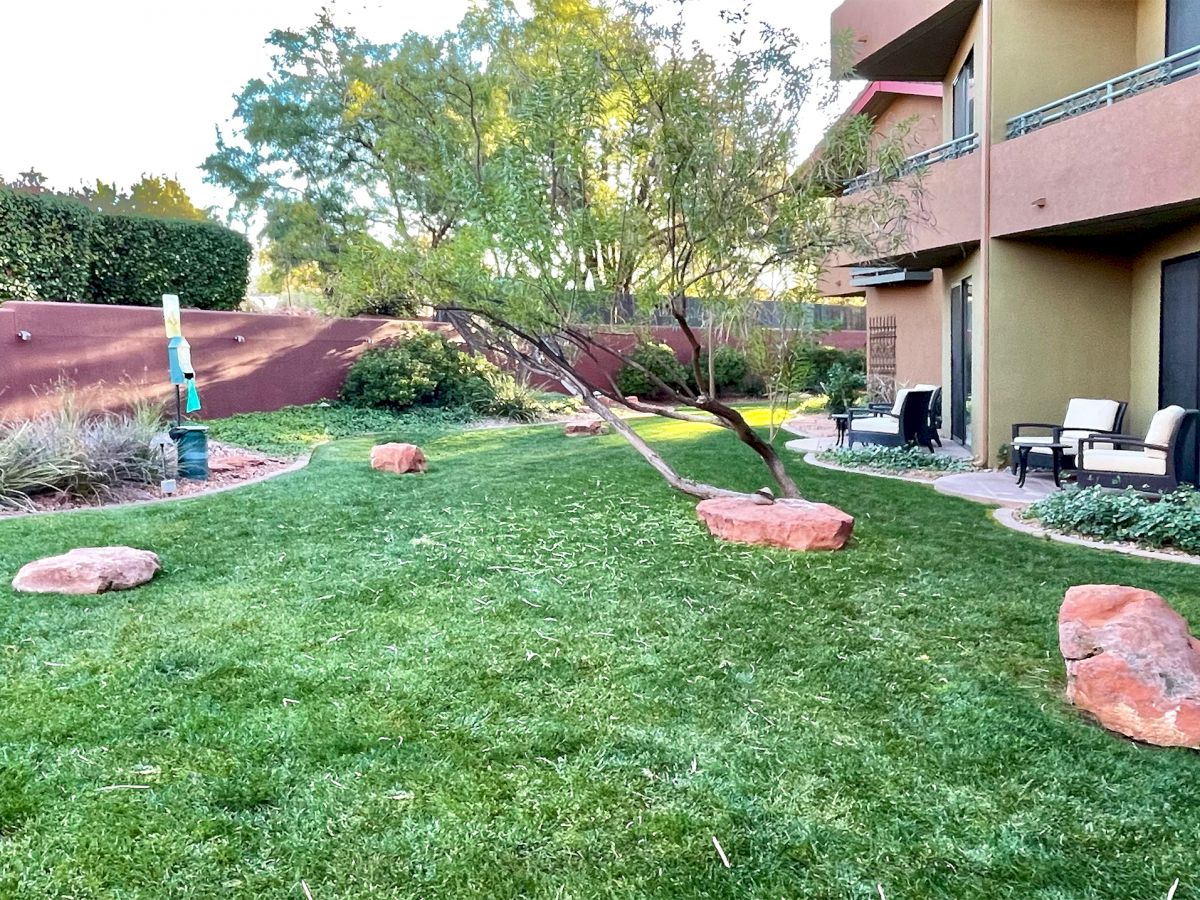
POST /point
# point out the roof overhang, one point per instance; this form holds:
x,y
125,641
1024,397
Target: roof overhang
x,y
876,276
904,40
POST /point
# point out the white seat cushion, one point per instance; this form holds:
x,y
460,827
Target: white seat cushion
x,y
899,404
1134,462
1162,428
877,425
1091,415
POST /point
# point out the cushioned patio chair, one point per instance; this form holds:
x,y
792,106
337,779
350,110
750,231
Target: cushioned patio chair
x,y
1128,461
1084,418
906,422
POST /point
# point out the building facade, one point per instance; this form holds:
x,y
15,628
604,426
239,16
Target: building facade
x,y
1059,255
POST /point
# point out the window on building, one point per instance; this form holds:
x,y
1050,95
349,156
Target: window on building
x,y
1183,25
964,98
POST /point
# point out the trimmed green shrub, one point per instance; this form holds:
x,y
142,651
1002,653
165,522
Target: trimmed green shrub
x,y
423,368
137,259
656,358
825,358
1173,521
54,248
731,371
842,386
894,459
45,247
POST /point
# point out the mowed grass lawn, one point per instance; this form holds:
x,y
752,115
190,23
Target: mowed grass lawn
x,y
531,673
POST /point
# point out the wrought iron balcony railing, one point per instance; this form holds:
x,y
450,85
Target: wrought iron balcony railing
x,y
949,150
1165,71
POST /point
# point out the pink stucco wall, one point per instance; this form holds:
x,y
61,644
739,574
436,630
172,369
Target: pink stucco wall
x,y
1138,154
115,354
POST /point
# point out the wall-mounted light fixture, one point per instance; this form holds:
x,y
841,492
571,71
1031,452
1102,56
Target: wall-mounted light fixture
x,y
1040,202
239,338
24,336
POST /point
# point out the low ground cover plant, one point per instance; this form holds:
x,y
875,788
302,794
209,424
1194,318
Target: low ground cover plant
x,y
294,429
424,368
78,452
1171,522
894,459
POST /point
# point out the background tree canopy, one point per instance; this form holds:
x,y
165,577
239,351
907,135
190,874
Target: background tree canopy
x,y
526,173
156,196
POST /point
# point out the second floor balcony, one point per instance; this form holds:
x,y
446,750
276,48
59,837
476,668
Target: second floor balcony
x,y
1131,84
917,163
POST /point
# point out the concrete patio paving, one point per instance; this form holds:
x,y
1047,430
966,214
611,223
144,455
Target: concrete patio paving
x,y
998,488
993,487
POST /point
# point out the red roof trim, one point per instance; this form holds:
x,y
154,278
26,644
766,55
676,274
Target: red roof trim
x,y
910,88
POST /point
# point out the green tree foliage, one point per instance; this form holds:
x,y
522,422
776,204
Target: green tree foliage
x,y
156,196
529,166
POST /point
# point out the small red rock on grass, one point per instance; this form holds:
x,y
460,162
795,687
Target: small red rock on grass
x,y
88,570
788,524
580,426
1132,663
399,459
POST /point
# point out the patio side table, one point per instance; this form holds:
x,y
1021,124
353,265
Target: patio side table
x,y
842,421
1056,453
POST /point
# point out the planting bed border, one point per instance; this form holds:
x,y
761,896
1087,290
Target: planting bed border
x,y
1009,518
295,466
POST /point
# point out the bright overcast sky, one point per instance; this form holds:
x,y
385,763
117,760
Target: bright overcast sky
x,y
118,88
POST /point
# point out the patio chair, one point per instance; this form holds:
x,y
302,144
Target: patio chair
x,y
1084,418
905,423
1128,461
935,414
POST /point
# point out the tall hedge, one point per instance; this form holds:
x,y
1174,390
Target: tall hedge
x,y
137,259
53,248
45,247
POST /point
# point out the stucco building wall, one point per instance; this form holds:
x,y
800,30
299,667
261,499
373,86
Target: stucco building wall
x,y
1059,329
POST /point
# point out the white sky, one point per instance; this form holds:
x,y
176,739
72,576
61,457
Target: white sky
x,y
111,89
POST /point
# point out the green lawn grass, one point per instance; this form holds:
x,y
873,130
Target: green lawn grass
x,y
530,672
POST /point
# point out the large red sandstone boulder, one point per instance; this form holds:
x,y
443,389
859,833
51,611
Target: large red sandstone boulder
x,y
790,524
580,426
88,570
1131,663
397,458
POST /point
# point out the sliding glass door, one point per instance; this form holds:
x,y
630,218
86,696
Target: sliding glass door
x,y
960,362
1179,350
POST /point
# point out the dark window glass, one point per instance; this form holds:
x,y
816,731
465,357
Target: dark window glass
x,y
964,98
1183,25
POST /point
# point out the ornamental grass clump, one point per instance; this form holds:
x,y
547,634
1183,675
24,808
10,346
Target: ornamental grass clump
x,y
1171,522
83,454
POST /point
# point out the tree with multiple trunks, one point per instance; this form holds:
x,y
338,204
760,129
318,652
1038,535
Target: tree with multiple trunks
x,y
531,172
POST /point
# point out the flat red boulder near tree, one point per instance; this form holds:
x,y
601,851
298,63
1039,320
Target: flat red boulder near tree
x,y
1132,663
399,459
788,524
88,570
